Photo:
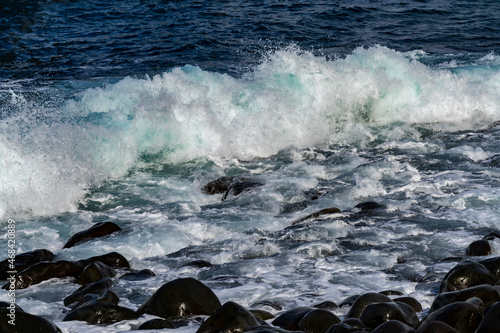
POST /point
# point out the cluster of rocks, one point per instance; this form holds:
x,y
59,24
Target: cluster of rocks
x,y
468,299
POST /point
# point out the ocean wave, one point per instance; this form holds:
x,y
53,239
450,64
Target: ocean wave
x,y
291,99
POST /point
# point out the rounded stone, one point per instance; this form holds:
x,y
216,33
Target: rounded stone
x,y
181,297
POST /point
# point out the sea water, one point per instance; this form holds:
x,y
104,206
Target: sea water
x,y
123,112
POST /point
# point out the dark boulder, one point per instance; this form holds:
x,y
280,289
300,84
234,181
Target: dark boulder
x,y
100,313
491,320
493,265
230,317
436,327
478,248
143,274
24,322
267,303
239,187
108,297
97,288
159,323
261,314
23,261
465,275
462,316
393,326
155,324
391,293
318,321
289,320
95,272
181,297
375,314
219,185
319,213
410,301
487,293
327,305
369,205
350,325
43,271
363,301
348,301
112,259
97,230
198,264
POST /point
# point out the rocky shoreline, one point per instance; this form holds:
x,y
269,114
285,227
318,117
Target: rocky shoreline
x,y
468,298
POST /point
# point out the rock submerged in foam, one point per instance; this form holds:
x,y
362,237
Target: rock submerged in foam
x,y
230,186
97,230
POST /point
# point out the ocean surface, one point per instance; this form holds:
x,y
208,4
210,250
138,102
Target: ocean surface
x,y
123,110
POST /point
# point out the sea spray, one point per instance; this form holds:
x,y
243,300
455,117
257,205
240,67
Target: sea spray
x,y
292,99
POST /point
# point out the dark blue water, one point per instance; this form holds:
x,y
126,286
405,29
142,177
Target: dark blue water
x,y
123,110
55,40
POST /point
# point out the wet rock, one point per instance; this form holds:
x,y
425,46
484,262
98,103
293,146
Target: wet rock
x,y
155,324
23,261
43,271
462,316
369,205
492,235
376,314
347,327
487,293
391,293
417,307
328,305
393,326
112,259
478,303
181,297
318,321
239,187
491,320
97,230
354,322
143,274
100,313
478,248
108,297
10,306
289,320
230,317
436,327
97,288
363,301
267,303
493,265
95,272
348,301
198,264
315,215
262,314
219,185
465,275
229,186
24,323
